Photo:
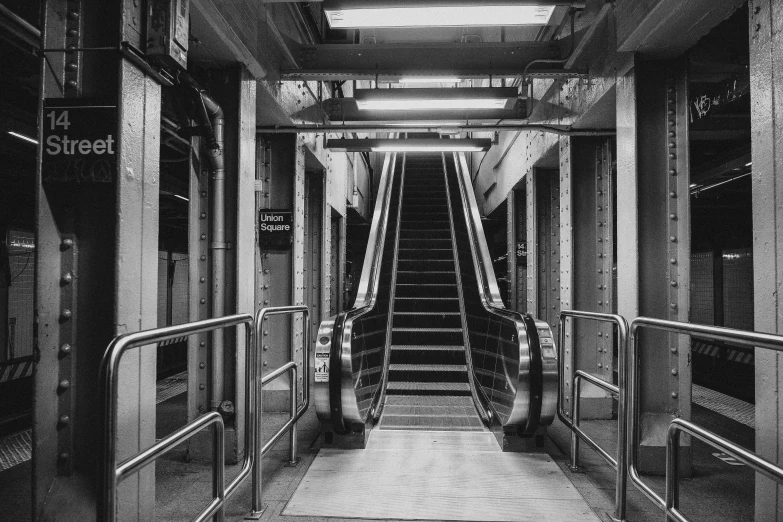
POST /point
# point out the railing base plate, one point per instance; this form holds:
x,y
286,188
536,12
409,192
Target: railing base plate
x,y
256,515
576,469
292,463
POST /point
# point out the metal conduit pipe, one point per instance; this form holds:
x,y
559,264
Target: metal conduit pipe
x,y
218,245
213,121
562,130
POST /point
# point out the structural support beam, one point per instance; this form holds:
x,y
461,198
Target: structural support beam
x,y
766,71
587,260
390,62
653,241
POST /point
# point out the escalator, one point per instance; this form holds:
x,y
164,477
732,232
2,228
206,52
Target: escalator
x,y
428,344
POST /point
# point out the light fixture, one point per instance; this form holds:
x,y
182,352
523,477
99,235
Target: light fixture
x,y
482,98
23,137
409,145
424,79
411,15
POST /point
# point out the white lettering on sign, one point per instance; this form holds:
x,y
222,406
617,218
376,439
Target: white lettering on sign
x,y
56,145
274,228
271,217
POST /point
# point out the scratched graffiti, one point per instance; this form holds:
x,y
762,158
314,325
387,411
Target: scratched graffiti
x,y
704,101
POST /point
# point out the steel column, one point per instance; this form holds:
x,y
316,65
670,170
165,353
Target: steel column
x,y
654,239
587,260
766,70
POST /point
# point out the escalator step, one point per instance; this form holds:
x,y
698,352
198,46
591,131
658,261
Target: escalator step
x,y
447,423
430,387
441,401
428,347
428,330
440,314
428,367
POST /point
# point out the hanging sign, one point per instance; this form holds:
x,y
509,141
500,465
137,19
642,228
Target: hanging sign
x,y
275,229
79,141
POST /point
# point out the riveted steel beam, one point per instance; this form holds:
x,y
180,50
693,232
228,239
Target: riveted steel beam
x,y
390,62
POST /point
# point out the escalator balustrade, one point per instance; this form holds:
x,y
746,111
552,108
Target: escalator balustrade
x,y
428,344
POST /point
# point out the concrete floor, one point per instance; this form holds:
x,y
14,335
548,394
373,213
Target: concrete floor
x,y
717,491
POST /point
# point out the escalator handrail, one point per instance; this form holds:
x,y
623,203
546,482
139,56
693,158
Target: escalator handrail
x,y
365,302
489,293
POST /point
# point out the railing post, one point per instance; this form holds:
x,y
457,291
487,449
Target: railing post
x,y
576,390
672,472
219,472
293,460
256,508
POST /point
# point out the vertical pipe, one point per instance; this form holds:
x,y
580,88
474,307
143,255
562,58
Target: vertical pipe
x,y
575,394
292,460
218,244
219,473
672,471
622,421
256,509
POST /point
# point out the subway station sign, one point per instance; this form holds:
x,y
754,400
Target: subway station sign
x,y
275,229
79,141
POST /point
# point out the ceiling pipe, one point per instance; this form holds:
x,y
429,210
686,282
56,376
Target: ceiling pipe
x,y
561,130
213,122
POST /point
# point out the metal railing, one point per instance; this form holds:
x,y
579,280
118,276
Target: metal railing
x,y
678,426
738,337
257,508
619,464
113,472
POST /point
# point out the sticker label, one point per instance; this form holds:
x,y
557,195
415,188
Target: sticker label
x,y
322,367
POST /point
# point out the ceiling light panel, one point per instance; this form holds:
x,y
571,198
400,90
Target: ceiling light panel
x,y
439,16
408,145
435,99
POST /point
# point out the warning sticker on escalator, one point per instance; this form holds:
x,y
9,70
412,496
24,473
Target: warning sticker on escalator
x,y
322,367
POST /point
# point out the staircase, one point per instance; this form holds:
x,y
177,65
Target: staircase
x,y
428,387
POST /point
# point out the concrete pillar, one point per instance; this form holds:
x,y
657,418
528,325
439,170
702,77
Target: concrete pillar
x,y
96,268
766,70
653,241
587,261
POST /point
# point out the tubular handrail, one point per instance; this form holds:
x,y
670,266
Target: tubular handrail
x,y
738,337
109,371
678,426
215,507
256,508
619,464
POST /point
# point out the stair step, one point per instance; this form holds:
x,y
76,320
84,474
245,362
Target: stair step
x,y
428,330
427,313
429,386
428,347
428,367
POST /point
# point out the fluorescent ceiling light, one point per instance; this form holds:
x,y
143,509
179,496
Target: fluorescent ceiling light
x,y
430,105
456,16
409,145
445,99
23,137
423,79
414,148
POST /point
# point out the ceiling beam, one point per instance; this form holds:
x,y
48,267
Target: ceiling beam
x,y
389,62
